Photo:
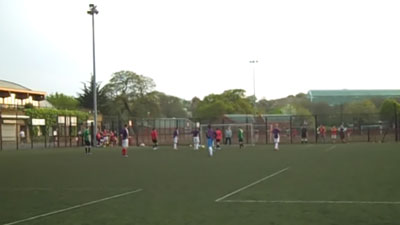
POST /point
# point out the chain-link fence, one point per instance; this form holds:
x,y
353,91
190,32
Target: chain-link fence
x,y
140,129
330,128
21,132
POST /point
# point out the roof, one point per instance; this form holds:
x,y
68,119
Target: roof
x,y
11,85
346,92
336,97
45,104
7,86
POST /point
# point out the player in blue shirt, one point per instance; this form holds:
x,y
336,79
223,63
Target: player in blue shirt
x,y
125,141
276,132
210,139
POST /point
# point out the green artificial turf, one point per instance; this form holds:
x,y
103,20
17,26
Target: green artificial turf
x,y
181,187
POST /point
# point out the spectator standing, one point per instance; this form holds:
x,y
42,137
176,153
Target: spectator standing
x,y
228,136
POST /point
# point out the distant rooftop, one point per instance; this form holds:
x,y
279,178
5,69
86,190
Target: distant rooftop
x,y
10,91
336,97
11,85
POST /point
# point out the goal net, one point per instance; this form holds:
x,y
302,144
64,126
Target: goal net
x,y
248,129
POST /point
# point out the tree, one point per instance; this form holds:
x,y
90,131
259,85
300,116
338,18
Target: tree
x,y
321,108
295,110
360,107
61,101
85,99
289,109
171,106
194,103
214,106
146,106
359,112
387,110
127,90
275,106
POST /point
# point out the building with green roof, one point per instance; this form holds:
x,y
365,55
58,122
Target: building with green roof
x,y
338,97
250,118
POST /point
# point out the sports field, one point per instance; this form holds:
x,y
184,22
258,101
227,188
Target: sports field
x,y
300,184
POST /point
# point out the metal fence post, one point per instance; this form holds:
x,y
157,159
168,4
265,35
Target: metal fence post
x,y
93,135
45,135
65,131
290,130
316,127
247,129
16,127
31,134
266,129
70,132
396,132
1,133
138,131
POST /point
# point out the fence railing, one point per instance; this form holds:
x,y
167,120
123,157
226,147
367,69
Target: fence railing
x,y
18,132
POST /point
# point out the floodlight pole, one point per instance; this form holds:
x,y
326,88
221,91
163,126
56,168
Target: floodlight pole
x,y
92,12
254,85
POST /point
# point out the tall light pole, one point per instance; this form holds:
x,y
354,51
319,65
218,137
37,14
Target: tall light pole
x,y
92,11
254,84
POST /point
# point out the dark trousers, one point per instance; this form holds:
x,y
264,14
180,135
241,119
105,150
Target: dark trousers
x,y
228,140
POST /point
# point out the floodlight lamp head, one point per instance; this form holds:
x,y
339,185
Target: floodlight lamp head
x,y
92,10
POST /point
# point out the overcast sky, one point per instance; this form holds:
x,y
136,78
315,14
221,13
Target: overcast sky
x,y
194,48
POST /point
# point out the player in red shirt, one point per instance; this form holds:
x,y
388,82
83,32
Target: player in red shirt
x,y
333,134
322,132
218,138
154,137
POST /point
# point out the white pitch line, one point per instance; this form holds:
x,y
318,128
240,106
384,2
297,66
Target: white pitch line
x,y
252,184
330,148
73,207
63,189
26,189
314,202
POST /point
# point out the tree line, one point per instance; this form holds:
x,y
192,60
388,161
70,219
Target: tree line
x,y
128,94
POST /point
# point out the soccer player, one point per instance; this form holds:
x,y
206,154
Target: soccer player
x,y
228,136
333,134
125,141
98,138
322,132
86,138
154,137
276,132
196,139
342,131
304,134
176,137
210,140
218,138
241,137
113,139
